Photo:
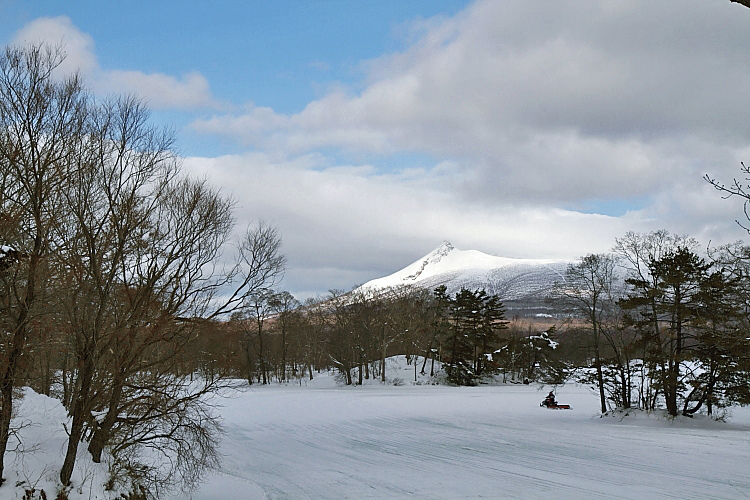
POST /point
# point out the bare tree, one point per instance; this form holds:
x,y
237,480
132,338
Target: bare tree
x,y
284,306
639,252
589,289
407,315
259,268
340,342
166,280
140,256
41,123
312,329
738,188
257,310
101,232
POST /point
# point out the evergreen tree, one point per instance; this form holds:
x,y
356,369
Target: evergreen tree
x,y
464,318
721,346
667,306
493,321
475,319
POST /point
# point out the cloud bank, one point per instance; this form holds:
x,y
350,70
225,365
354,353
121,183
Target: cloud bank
x,y
516,128
537,117
531,100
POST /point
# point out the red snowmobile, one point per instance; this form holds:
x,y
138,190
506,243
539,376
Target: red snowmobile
x,y
551,404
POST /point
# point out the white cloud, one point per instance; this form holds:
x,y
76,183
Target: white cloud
x,y
527,109
524,113
159,90
60,31
549,103
351,224
191,91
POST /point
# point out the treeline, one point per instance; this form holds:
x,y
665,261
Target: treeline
x,y
666,328
459,339
650,325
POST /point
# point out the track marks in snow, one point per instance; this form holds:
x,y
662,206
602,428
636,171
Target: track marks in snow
x,y
452,443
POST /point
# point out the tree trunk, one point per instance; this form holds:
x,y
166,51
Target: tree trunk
x,y
382,366
625,388
47,373
710,389
249,360
599,373
6,395
80,414
104,429
262,356
600,381
11,373
65,381
283,354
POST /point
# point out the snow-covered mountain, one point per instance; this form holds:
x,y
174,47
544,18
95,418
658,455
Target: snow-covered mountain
x,y
518,281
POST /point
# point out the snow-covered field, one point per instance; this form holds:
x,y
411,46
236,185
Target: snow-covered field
x,y
320,440
324,441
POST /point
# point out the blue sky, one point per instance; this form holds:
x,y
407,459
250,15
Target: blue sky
x,y
368,132
281,53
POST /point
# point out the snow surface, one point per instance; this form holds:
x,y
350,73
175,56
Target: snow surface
x,y
36,451
322,440
510,278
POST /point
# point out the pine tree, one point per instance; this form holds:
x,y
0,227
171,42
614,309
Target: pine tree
x,y
475,321
667,306
721,349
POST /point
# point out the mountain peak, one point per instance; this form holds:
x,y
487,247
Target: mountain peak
x,y
444,249
511,278
432,258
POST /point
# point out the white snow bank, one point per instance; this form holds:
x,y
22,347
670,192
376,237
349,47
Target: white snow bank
x,y
36,452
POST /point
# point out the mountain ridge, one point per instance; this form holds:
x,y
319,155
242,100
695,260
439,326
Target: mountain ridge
x,y
520,283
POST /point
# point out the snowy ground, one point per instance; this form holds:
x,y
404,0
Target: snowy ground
x,y
321,440
431,442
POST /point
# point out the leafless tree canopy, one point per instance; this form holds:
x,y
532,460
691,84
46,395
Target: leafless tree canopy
x,y
41,124
738,188
110,267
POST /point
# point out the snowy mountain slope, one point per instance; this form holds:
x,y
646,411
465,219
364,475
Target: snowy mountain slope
x,y
511,279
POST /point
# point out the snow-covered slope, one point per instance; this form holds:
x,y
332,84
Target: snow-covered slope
x,y
511,279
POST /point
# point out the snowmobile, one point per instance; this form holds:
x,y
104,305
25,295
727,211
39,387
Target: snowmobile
x,y
554,406
551,404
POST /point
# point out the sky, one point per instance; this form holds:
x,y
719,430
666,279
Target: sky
x,y
369,132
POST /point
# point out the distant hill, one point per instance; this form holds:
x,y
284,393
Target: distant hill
x,y
522,284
